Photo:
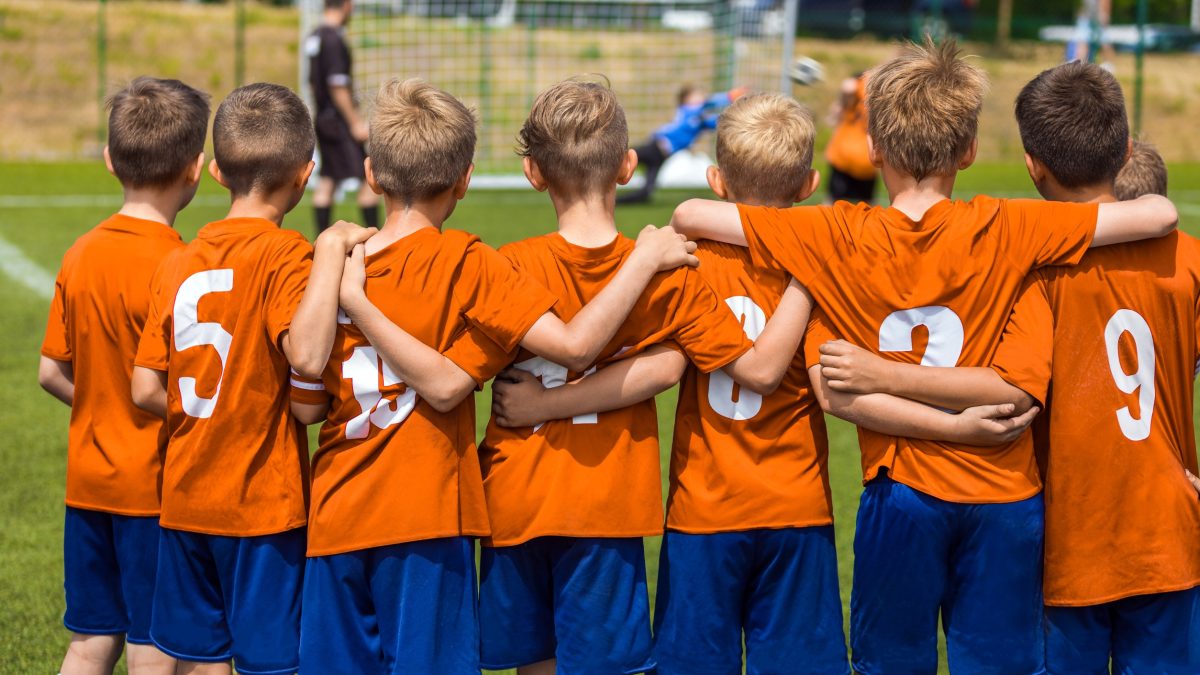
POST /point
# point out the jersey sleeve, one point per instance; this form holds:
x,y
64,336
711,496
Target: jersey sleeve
x,y
773,237
478,355
57,343
1025,355
291,266
818,333
704,328
307,391
498,299
154,347
335,60
1049,233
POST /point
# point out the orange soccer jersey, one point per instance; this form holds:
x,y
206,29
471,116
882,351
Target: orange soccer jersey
x,y
390,468
101,301
741,460
236,461
597,475
937,292
1121,518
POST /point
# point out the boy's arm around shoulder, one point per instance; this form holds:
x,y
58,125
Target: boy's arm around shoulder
x,y
763,367
308,399
709,219
1146,217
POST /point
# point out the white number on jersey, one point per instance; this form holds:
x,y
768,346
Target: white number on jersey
x,y
554,375
720,385
189,332
1142,380
364,369
945,334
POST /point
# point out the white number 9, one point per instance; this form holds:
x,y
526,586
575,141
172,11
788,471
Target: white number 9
x,y
189,332
1141,380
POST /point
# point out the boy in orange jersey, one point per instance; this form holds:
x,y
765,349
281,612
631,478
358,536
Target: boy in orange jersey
x,y
1122,566
229,315
941,528
156,131
397,494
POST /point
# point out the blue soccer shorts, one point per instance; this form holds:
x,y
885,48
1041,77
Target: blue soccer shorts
x,y
777,587
1146,634
109,564
582,601
220,598
977,565
404,608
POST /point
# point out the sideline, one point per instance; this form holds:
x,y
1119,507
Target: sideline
x,y
24,271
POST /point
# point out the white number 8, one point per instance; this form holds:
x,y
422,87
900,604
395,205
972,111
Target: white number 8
x,y
720,385
1142,380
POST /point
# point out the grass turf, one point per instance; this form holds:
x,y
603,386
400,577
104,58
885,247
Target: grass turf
x,y
44,207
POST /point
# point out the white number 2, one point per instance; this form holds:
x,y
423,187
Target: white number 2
x,y
720,385
364,369
554,375
190,332
945,334
1142,380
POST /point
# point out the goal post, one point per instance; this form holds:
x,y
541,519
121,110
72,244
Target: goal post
x,y
496,55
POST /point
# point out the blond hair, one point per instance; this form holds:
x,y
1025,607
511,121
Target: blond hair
x,y
765,147
422,140
1144,174
577,135
923,108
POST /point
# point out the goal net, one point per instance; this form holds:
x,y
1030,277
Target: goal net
x,y
496,55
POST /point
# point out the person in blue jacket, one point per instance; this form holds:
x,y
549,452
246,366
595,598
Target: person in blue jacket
x,y
697,113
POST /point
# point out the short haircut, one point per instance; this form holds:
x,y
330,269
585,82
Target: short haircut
x,y
335,4
1072,119
422,140
156,129
685,92
923,108
765,147
577,134
262,137
1144,174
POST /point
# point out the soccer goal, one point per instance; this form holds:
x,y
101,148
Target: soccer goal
x,y
497,54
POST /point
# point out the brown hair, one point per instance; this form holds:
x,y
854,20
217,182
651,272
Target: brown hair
x,y
923,108
1144,174
156,129
765,147
262,137
1072,119
576,133
685,92
422,140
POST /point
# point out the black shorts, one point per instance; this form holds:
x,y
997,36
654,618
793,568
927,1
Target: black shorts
x,y
341,156
847,187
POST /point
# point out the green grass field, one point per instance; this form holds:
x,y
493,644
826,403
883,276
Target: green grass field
x,y
44,207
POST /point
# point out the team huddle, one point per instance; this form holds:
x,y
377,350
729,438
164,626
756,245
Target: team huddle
x,y
199,532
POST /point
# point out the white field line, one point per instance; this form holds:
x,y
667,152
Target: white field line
x,y
24,271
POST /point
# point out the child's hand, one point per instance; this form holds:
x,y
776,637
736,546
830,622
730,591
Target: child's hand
x,y
354,275
516,399
345,235
666,248
853,369
738,92
990,425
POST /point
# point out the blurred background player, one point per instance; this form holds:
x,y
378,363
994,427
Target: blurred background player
x,y
697,113
341,129
852,175
1144,173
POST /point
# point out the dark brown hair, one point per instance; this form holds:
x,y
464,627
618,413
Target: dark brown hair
x,y
156,129
262,137
1072,119
577,134
1144,174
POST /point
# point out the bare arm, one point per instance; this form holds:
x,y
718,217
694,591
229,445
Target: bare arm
x,y
854,370
762,368
309,340
520,400
149,390
343,100
309,413
709,219
1146,217
887,414
57,378
576,345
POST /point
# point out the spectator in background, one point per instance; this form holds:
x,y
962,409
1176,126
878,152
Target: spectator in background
x,y
341,129
851,173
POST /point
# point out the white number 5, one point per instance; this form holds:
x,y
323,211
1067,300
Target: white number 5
x,y
1142,380
190,332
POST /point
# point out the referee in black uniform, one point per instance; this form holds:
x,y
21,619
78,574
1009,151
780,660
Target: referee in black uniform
x,y
341,130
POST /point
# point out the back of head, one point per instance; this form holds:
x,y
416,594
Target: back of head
x,y
923,109
1144,174
1072,119
765,148
156,129
422,140
576,133
262,138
